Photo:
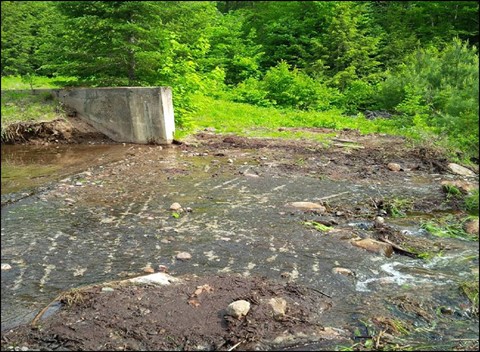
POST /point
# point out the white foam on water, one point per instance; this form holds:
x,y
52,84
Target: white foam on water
x,y
397,277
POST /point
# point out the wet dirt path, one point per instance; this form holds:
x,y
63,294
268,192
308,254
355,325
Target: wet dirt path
x,y
112,221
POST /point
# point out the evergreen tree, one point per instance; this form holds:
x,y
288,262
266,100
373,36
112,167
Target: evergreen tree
x,y
111,42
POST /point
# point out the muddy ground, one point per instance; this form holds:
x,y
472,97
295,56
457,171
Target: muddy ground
x,y
183,316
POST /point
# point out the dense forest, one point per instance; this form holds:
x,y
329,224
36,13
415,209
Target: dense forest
x,y
414,61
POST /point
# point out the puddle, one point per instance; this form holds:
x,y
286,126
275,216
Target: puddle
x,y
26,167
237,224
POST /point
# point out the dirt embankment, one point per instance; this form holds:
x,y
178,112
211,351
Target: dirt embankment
x,y
71,130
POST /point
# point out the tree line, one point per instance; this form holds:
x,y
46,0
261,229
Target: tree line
x,y
415,59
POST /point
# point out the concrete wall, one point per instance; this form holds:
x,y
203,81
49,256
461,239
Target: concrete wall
x,y
125,114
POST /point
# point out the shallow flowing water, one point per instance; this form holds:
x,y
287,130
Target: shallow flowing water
x,y
26,167
237,224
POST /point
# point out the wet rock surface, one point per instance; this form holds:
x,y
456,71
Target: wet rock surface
x,y
244,244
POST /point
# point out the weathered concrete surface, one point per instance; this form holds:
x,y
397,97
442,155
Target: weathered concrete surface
x,y
125,114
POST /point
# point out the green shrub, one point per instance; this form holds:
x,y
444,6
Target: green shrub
x,y
358,96
286,88
437,90
251,91
295,89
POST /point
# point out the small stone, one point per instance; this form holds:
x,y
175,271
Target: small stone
x,y
163,268
6,266
308,206
343,271
460,170
148,270
230,161
447,310
184,256
155,279
471,227
279,306
175,206
78,184
394,167
238,309
379,221
107,289
375,246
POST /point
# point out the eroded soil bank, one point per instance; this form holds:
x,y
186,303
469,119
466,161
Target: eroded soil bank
x,y
245,241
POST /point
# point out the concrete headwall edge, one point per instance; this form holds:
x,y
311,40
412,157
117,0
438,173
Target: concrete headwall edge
x,y
141,115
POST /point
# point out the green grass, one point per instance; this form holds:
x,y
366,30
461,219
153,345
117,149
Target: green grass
x,y
24,106
253,121
317,226
471,202
470,289
398,207
449,227
16,82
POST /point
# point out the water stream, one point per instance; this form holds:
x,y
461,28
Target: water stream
x,y
238,224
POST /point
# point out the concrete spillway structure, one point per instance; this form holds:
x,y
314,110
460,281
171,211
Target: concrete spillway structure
x,y
124,114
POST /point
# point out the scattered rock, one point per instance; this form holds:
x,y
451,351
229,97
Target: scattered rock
x,y
175,207
379,221
148,269
279,306
163,268
107,289
343,271
374,246
184,256
464,186
460,170
6,266
470,227
308,206
154,279
394,167
238,309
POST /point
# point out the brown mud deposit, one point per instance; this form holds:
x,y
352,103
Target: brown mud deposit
x,y
181,316
173,317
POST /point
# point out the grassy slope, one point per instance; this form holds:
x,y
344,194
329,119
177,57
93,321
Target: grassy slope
x,y
249,120
23,106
